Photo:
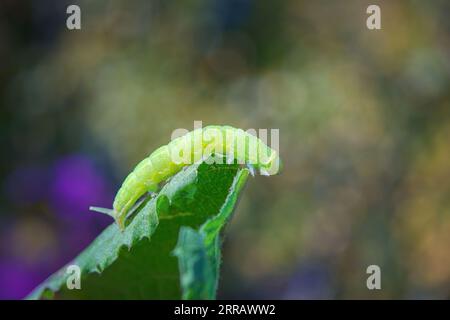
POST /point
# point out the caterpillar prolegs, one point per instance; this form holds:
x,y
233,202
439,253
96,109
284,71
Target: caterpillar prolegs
x,y
235,145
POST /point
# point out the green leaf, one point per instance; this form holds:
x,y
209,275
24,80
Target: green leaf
x,y
170,249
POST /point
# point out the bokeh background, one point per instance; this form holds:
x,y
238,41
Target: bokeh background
x,y
364,119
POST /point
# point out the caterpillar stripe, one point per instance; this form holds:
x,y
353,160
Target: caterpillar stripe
x,y
197,145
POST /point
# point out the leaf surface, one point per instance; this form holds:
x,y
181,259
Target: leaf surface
x,y
171,249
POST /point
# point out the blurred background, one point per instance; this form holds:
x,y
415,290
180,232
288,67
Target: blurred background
x,y
364,119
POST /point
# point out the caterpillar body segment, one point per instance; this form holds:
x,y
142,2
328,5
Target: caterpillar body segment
x,y
200,144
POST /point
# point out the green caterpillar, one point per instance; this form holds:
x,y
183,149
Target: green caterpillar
x,y
197,145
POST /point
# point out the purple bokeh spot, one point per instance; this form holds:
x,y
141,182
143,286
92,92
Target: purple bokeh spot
x,y
16,280
68,187
27,185
311,281
76,185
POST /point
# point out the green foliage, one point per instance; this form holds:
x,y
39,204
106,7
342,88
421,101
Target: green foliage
x,y
169,250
